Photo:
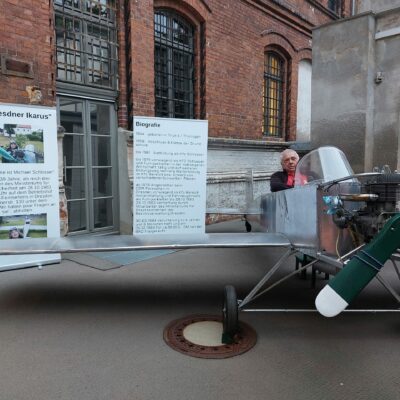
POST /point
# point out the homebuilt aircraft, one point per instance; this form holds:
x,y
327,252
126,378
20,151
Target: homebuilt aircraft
x,y
344,224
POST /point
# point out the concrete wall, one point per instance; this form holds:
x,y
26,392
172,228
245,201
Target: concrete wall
x,y
235,177
125,177
376,5
341,87
387,93
355,92
242,160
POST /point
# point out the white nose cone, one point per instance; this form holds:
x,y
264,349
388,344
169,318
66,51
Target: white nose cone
x,y
329,303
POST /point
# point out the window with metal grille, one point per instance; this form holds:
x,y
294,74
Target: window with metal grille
x,y
273,98
86,47
173,64
335,6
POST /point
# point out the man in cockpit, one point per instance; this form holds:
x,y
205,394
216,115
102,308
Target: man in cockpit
x,y
284,179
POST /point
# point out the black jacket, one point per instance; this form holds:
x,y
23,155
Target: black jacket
x,y
278,181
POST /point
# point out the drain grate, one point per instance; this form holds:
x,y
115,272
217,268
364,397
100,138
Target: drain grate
x,y
175,337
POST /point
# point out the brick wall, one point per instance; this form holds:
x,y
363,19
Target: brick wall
x,y
123,16
27,37
142,38
237,33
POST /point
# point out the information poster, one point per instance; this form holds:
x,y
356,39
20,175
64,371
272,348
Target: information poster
x,y
169,173
29,205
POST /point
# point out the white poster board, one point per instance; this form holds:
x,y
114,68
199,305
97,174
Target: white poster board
x,y
169,174
29,198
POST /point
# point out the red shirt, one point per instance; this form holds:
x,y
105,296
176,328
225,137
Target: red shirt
x,y
290,179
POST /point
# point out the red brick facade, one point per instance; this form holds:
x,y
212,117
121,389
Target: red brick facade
x,y
27,37
229,62
237,33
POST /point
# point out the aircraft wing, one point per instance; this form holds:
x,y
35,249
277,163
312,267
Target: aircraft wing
x,y
75,244
234,211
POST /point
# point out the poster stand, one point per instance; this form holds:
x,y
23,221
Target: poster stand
x,y
29,198
170,173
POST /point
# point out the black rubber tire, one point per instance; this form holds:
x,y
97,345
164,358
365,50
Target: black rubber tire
x,y
247,225
230,311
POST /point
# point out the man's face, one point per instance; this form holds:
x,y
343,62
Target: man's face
x,y
289,162
14,234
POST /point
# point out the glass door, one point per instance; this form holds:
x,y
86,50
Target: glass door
x,y
89,164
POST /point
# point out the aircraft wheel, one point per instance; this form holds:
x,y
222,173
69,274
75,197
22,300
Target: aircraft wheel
x,y
248,226
230,311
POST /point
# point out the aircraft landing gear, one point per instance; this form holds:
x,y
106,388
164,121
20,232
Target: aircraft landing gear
x,y
230,315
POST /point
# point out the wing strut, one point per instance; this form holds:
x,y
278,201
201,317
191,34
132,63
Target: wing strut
x,y
254,293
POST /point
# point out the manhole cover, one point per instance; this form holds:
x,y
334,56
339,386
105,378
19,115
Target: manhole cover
x,y
200,336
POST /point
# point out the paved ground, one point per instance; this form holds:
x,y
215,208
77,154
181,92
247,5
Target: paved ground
x,y
71,332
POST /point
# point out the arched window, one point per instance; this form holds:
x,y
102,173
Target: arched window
x,y
174,65
273,99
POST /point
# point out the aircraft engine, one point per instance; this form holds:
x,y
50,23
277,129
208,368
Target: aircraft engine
x,y
379,197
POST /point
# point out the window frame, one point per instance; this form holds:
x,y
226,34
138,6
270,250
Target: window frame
x,y
273,126
84,44
167,80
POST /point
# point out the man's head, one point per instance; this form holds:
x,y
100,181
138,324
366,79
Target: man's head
x,y
289,160
13,144
13,233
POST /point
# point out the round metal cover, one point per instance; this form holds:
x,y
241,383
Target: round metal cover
x,y
200,336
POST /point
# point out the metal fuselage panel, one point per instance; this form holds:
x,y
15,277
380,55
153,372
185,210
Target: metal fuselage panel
x,y
301,215
292,212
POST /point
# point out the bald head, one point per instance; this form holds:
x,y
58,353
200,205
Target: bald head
x,y
289,160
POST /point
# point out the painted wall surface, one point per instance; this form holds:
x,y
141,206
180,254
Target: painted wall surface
x,y
304,102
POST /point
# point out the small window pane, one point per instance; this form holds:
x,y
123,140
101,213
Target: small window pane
x,y
103,213
71,115
102,182
101,151
74,150
335,6
100,119
77,216
75,183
